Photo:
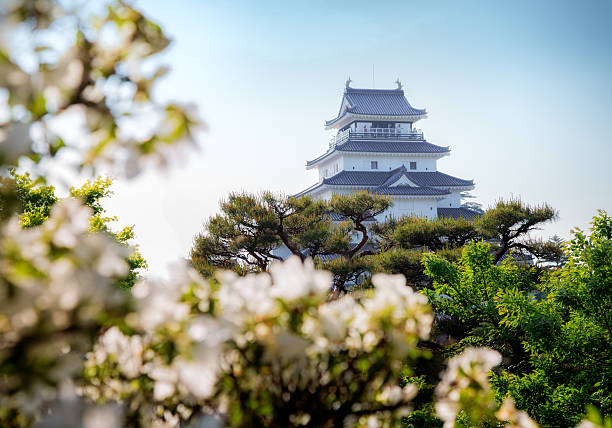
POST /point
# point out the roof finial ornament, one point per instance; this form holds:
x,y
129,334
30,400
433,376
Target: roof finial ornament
x,y
399,84
348,83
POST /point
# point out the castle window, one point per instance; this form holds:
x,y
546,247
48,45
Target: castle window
x,y
412,165
374,165
387,125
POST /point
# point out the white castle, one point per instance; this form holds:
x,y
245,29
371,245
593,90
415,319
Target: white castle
x,y
378,149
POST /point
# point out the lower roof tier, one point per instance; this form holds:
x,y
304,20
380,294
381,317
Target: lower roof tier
x,y
403,190
379,178
397,182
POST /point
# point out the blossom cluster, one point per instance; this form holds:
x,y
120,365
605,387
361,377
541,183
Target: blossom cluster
x,y
262,349
56,290
88,94
465,388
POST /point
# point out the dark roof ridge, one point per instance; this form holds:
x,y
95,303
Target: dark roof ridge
x,y
441,174
395,175
373,90
391,145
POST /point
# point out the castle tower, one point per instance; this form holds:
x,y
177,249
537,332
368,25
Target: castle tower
x,y
378,149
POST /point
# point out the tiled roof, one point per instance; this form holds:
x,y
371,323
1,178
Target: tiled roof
x,y
458,212
379,178
391,147
386,102
358,178
437,178
383,147
380,101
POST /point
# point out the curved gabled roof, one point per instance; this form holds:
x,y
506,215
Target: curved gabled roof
x,y
387,178
384,102
437,178
358,178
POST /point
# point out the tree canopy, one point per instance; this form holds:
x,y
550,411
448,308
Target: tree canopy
x,y
341,235
250,230
552,330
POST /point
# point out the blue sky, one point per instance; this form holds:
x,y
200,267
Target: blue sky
x,y
520,91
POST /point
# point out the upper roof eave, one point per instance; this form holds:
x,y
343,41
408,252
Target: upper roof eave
x,y
348,117
311,163
375,103
443,151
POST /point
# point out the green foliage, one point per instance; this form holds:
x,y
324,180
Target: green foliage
x,y
436,234
35,199
572,354
422,418
92,192
553,330
408,262
510,221
247,234
468,292
250,228
359,206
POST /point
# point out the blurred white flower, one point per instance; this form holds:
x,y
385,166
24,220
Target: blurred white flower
x,y
159,303
127,351
271,334
293,279
108,416
390,395
466,371
199,376
515,418
15,142
248,296
588,424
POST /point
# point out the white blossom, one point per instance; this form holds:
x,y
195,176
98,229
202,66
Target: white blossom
x,y
303,341
515,418
294,279
15,142
468,370
127,350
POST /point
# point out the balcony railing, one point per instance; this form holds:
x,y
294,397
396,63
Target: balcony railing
x,y
375,134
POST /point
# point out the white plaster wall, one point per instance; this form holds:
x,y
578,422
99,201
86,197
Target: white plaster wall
x,y
385,162
330,166
328,193
417,207
452,201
